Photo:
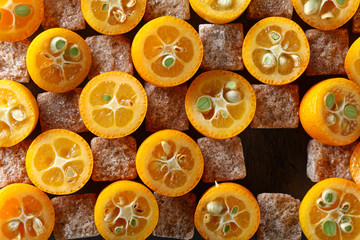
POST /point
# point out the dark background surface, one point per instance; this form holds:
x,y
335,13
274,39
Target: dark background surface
x,y
275,158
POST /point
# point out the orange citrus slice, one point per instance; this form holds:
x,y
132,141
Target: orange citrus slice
x,y
329,111
113,17
25,213
331,210
325,14
227,211
276,51
220,104
170,163
58,60
355,164
167,51
126,210
113,104
59,161
352,62
19,19
19,113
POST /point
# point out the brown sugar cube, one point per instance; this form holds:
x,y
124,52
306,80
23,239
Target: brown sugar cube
x,y
325,161
176,216
159,8
63,14
327,51
166,108
60,110
74,216
356,21
259,9
12,164
223,159
114,159
276,106
13,61
109,53
279,218
222,46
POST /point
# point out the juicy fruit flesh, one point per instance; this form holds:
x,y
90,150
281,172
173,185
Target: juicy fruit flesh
x,y
330,8
114,12
9,20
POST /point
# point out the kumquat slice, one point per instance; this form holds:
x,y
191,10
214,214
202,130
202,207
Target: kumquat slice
x,y
352,62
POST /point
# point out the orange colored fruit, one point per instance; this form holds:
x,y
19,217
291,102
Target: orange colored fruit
x,y
113,17
324,14
227,211
25,213
329,111
58,60
19,113
355,164
167,51
170,163
352,62
276,51
113,104
331,210
19,19
220,104
59,161
126,210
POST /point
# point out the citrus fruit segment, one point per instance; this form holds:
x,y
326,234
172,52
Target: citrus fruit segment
x,y
220,104
167,51
331,210
19,113
227,211
170,163
19,19
126,210
59,161
219,11
113,17
352,62
276,51
25,213
329,111
355,164
113,104
58,60
325,14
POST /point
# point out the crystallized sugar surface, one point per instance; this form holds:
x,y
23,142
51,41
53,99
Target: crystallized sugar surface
x,y
259,9
159,8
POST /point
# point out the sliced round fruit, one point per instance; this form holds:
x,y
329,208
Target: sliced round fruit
x,y
25,213
227,211
276,51
325,14
19,19
126,210
352,62
167,51
113,104
113,17
329,111
19,113
355,164
58,60
170,163
331,210
220,104
59,161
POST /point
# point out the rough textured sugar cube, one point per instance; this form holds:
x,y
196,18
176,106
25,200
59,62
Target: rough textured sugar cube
x,y
223,159
63,14
60,110
327,51
13,61
114,159
176,216
276,106
109,53
12,164
166,108
279,217
74,216
222,46
326,161
259,9
356,22
159,8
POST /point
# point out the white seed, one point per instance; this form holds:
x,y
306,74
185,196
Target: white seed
x,y
233,96
327,15
214,207
54,47
110,215
18,114
282,61
225,3
131,3
206,218
268,60
38,226
14,225
166,147
311,7
119,15
346,227
329,196
296,59
331,120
